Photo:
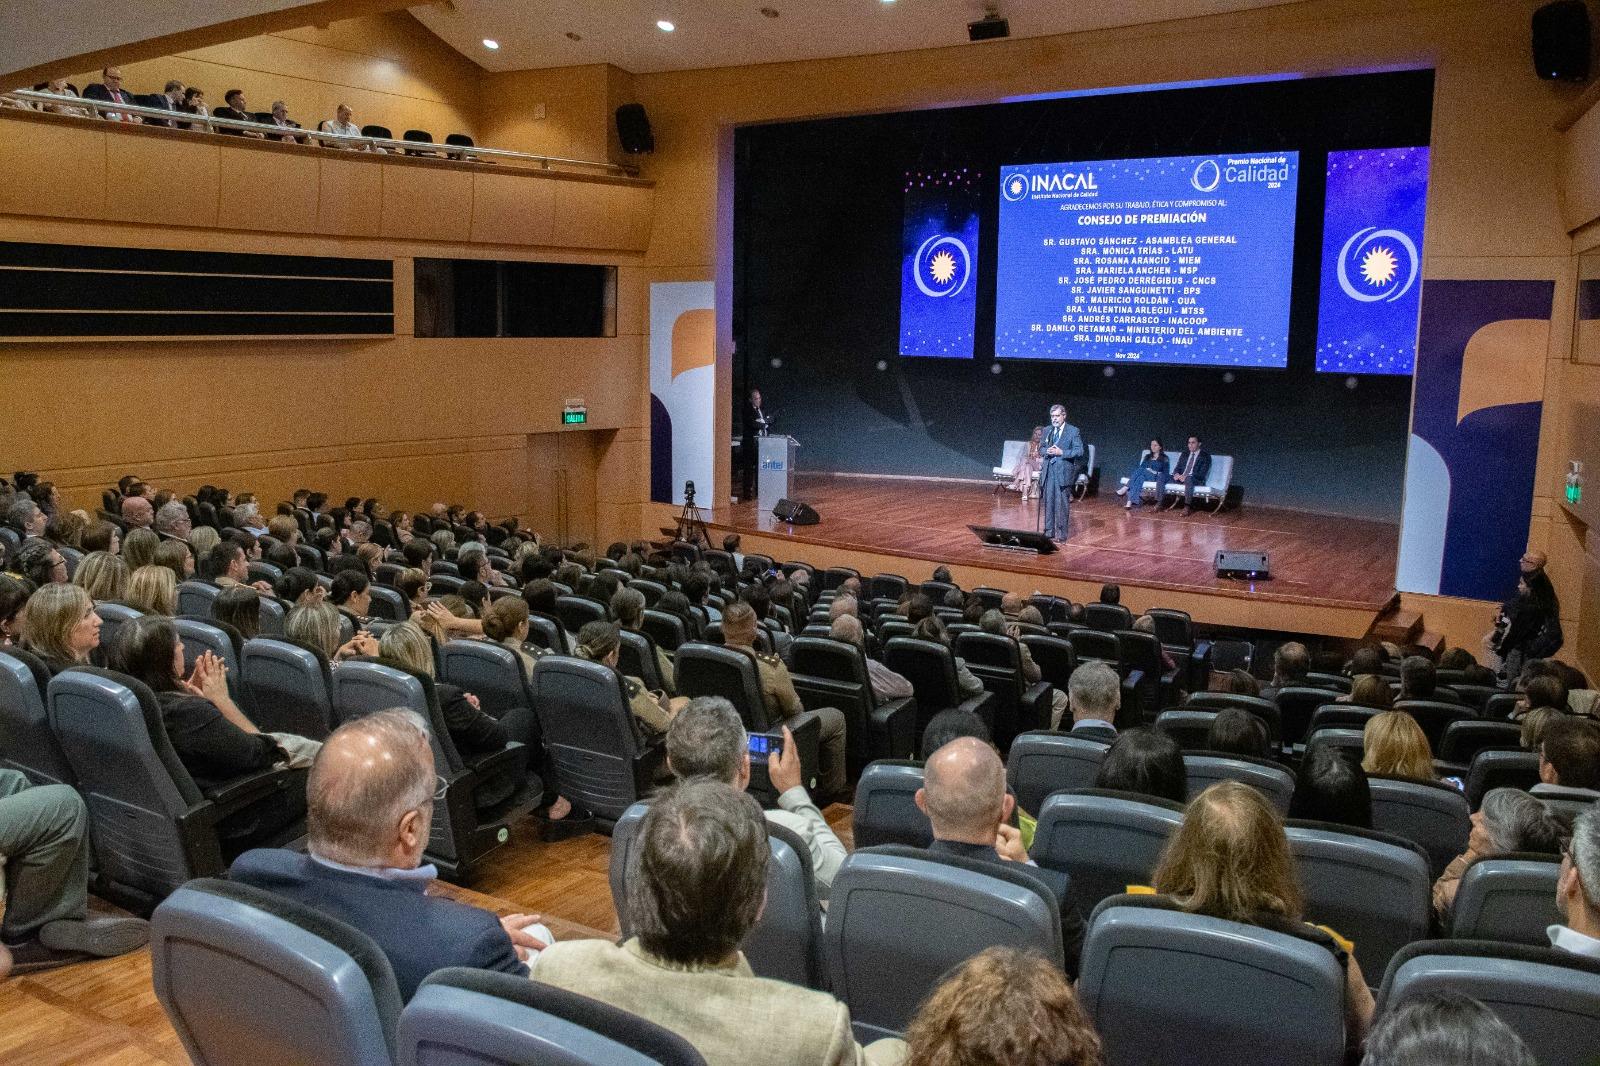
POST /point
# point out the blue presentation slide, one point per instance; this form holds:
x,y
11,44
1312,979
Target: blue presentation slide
x,y
1372,261
1176,260
939,263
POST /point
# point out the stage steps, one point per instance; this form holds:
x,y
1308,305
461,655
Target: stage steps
x,y
1405,627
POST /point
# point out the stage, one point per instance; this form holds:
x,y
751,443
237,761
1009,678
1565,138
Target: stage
x,y
1330,575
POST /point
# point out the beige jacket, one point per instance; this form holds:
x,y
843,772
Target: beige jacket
x,y
731,1016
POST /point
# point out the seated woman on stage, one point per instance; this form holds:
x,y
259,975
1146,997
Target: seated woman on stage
x,y
1153,467
1028,465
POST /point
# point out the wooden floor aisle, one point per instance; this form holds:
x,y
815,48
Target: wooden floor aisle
x,y
106,1013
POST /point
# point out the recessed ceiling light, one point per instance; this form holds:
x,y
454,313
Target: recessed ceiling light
x,y
573,36
770,12
664,26
491,44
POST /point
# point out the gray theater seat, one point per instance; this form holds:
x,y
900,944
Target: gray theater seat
x,y
996,660
931,669
1272,780
249,977
1434,717
1191,728
1265,710
1509,898
786,943
273,614
1105,841
637,658
831,673
899,919
113,616
1350,742
195,598
461,1016
577,611
1167,987
287,688
1374,889
1500,768
601,759
27,743
1434,816
1040,763
1547,996
199,636
387,603
885,809
1296,705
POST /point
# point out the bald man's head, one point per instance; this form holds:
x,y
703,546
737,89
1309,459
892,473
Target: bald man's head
x,y
1011,604
368,779
964,791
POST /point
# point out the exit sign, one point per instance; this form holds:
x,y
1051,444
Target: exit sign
x,y
574,412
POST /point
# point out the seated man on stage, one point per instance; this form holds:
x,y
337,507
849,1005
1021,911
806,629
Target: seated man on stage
x,y
1192,469
1153,467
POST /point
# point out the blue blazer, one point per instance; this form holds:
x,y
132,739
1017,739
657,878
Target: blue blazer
x,y
1202,464
419,933
1071,445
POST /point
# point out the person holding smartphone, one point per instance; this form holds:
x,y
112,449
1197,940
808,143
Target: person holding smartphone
x,y
708,739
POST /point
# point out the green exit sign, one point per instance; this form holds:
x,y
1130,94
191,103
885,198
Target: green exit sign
x,y
1574,494
574,418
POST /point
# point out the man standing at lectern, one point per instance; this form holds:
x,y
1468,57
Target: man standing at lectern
x,y
1061,449
755,426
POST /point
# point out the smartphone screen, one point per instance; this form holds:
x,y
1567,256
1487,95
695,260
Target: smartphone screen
x,y
765,746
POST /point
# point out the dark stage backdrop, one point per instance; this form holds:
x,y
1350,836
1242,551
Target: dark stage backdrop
x,y
816,298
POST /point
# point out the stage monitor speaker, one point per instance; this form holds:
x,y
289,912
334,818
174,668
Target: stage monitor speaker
x,y
1017,540
989,28
1561,41
633,129
1249,566
796,513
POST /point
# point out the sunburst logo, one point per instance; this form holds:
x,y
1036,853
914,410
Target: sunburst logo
x,y
1386,260
1378,266
943,266
1014,188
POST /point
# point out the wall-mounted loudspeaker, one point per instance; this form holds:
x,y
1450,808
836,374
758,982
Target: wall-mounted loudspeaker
x,y
1248,566
796,513
633,129
1561,41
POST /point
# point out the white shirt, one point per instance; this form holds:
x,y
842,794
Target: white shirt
x,y
1567,939
802,818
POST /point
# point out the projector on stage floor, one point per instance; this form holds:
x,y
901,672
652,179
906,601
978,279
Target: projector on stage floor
x,y
1246,566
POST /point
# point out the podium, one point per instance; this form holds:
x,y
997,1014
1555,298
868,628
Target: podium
x,y
775,474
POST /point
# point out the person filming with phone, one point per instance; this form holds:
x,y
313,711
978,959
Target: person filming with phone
x,y
708,739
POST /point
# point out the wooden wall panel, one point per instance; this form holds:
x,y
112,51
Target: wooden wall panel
x,y
349,197
276,191
422,202
162,180
507,209
52,168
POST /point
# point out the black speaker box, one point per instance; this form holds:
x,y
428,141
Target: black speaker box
x,y
633,129
1561,41
796,513
1249,566
1020,540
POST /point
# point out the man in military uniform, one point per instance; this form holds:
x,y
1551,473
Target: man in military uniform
x,y
782,701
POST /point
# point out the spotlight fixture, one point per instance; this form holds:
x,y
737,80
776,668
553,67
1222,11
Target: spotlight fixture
x,y
770,12
491,44
664,26
573,36
989,28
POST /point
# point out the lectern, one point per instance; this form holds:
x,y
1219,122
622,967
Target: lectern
x,y
776,474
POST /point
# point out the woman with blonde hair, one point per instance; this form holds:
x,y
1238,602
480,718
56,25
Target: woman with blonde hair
x,y
1028,465
202,539
103,576
60,626
176,556
1394,745
139,548
1003,1006
153,590
475,733
1230,859
1370,690
316,625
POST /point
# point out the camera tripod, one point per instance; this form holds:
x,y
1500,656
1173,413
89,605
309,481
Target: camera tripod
x,y
691,522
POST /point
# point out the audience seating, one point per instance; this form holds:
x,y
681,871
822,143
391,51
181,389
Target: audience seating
x,y
885,809
1464,739
1166,987
899,918
711,670
931,669
1509,898
991,598
1435,816
1147,685
1500,768
1273,780
461,1016
667,630
151,826
196,597
1105,841
1434,717
637,658
1175,630
1107,617
1053,656
1297,705
786,943
1040,763
468,811
996,660
1340,716
548,633
1263,709
831,673
492,672
1333,682
576,611
1547,996
220,639
27,743
112,618
287,688
248,977
600,759
1190,728
1372,888
1350,742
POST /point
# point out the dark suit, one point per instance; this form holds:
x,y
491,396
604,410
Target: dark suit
x,y
1094,729
419,933
1058,884
237,116
1057,477
1197,465
98,91
754,428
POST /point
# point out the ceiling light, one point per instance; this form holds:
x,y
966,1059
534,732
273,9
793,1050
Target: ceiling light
x,y
491,44
770,12
664,26
573,36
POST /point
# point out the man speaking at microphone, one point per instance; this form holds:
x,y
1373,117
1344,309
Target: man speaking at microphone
x,y
1061,449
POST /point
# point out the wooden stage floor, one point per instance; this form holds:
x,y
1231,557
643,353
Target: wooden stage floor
x,y
1316,560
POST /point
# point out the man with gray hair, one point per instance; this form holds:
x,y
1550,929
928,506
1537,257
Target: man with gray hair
x,y
26,518
172,521
370,800
964,796
1578,889
886,684
1095,694
697,881
708,739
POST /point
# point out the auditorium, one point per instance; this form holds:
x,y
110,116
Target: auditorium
x,y
771,533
